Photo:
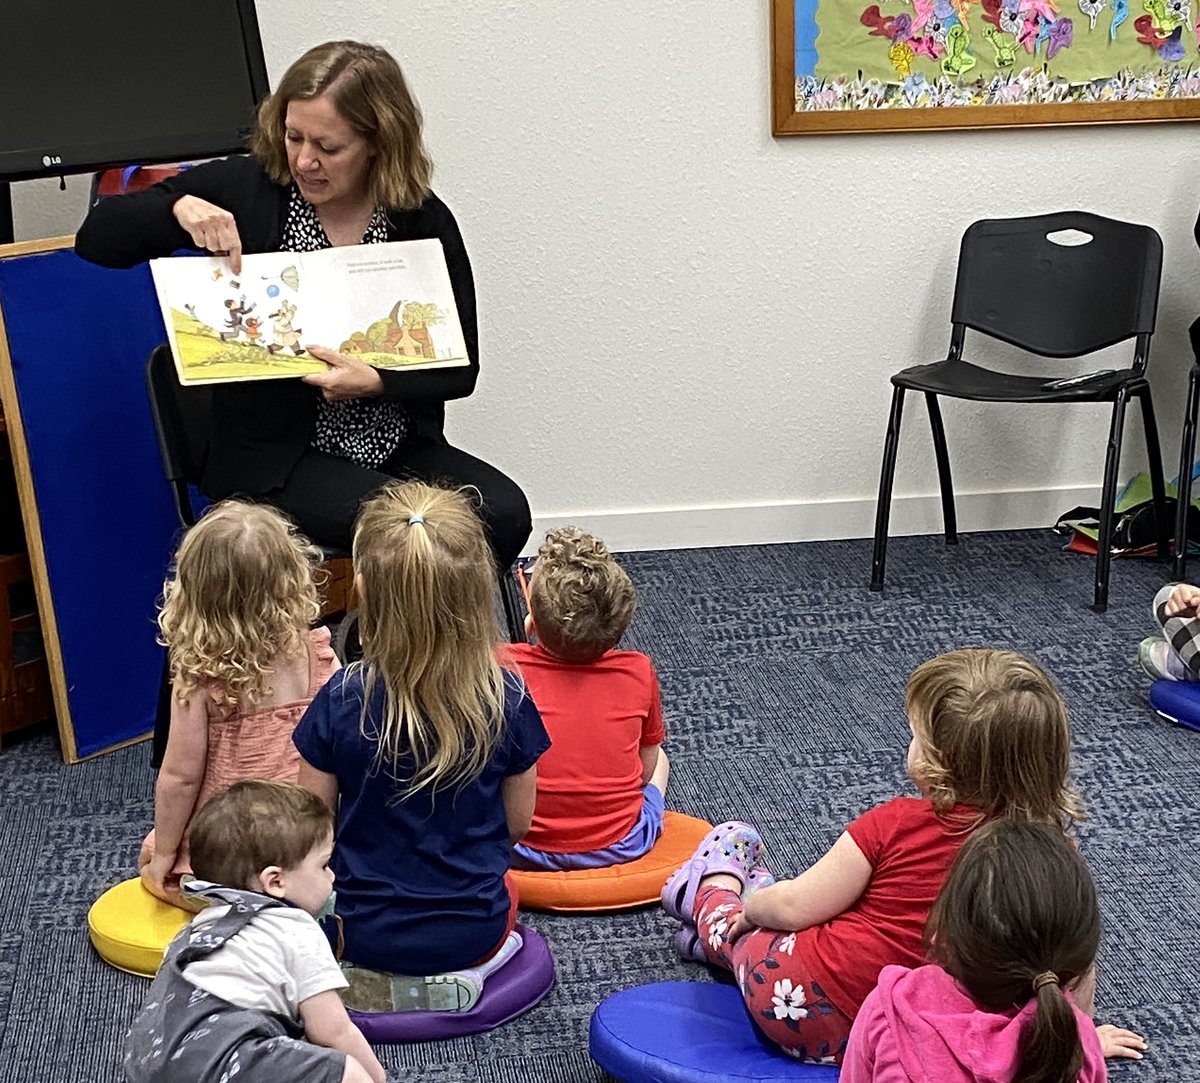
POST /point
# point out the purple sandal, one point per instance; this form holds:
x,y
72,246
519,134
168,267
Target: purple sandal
x,y
679,892
733,848
687,945
760,877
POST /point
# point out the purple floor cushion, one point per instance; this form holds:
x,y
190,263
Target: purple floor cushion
x,y
1177,701
688,1032
510,991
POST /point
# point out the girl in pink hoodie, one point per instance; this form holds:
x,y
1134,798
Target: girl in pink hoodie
x,y
1014,928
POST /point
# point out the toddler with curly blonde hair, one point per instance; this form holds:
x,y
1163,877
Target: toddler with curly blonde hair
x,y
245,663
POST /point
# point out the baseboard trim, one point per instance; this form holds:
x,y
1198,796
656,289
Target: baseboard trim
x,y
632,530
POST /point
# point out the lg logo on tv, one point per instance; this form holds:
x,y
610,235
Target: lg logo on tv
x,y
51,159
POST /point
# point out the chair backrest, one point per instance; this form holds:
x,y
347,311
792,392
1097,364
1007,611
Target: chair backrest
x,y
182,418
1058,299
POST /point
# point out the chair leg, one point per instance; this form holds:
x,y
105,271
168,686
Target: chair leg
x,y
510,599
1157,486
887,475
1112,463
949,519
1187,452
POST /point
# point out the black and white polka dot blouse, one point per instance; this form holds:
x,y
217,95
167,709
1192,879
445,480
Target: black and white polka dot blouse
x,y
365,431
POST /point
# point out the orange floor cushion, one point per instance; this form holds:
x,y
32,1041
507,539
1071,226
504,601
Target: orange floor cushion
x,y
619,887
131,929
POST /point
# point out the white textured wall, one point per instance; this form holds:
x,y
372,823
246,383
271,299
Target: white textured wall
x,y
688,325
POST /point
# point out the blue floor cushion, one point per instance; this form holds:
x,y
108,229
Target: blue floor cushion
x,y
1177,701
688,1032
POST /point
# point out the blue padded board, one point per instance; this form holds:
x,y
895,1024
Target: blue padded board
x,y
688,1032
1177,701
79,336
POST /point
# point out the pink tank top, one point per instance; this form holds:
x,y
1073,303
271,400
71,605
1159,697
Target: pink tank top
x,y
258,744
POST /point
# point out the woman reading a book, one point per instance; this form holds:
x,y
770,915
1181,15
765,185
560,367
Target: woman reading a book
x,y
336,159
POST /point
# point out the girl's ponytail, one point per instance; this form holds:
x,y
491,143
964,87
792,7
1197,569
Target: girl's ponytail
x,y
427,619
1018,920
1051,1051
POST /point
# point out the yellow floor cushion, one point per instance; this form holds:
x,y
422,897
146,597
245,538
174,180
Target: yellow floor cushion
x,y
619,887
131,929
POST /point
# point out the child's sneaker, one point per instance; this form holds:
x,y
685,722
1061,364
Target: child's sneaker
x,y
379,991
458,991
1159,661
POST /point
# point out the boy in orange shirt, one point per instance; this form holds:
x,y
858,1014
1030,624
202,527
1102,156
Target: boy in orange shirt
x,y
600,787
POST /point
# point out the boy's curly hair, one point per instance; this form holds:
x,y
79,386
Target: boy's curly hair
x,y
581,599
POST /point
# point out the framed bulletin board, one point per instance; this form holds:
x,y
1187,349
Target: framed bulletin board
x,y
893,65
96,509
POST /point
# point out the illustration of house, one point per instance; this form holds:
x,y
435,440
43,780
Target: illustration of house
x,y
411,342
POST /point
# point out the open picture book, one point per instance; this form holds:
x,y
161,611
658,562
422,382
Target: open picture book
x,y
389,305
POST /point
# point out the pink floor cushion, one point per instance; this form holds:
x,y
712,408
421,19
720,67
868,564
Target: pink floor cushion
x,y
689,1032
510,991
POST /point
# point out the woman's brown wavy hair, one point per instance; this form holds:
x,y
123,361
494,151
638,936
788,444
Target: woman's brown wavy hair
x,y
370,93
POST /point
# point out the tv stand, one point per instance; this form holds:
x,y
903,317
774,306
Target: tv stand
x,y
7,236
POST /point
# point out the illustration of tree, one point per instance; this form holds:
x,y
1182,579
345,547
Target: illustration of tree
x,y
377,334
417,314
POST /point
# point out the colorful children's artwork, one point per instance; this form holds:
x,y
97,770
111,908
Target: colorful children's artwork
x,y
845,65
389,305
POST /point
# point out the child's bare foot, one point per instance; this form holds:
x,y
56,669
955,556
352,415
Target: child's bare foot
x,y
722,879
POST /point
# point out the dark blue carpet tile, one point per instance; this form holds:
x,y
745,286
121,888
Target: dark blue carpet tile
x,y
783,683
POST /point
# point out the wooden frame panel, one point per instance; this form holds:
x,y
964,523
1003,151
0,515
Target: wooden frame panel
x,y
788,118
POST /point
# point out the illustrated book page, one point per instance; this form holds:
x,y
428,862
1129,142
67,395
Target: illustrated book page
x,y
389,305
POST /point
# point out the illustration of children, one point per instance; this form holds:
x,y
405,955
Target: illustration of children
x,y
235,318
286,337
253,330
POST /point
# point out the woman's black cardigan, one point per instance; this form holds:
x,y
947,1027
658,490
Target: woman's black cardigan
x,y
261,428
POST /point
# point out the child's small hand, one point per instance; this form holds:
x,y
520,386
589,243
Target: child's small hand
x,y
741,924
1118,1042
1183,601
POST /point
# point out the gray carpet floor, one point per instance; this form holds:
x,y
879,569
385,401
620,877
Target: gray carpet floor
x,y
782,680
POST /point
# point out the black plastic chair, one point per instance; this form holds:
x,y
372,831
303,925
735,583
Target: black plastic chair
x,y
1054,297
182,420
1187,455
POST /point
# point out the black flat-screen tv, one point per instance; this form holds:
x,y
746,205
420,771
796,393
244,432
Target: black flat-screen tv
x,y
86,84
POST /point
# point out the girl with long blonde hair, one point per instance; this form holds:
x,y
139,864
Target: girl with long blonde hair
x,y
245,662
426,749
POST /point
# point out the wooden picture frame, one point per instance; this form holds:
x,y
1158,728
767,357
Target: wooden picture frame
x,y
827,100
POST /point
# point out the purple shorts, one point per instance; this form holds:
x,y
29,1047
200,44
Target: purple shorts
x,y
641,838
